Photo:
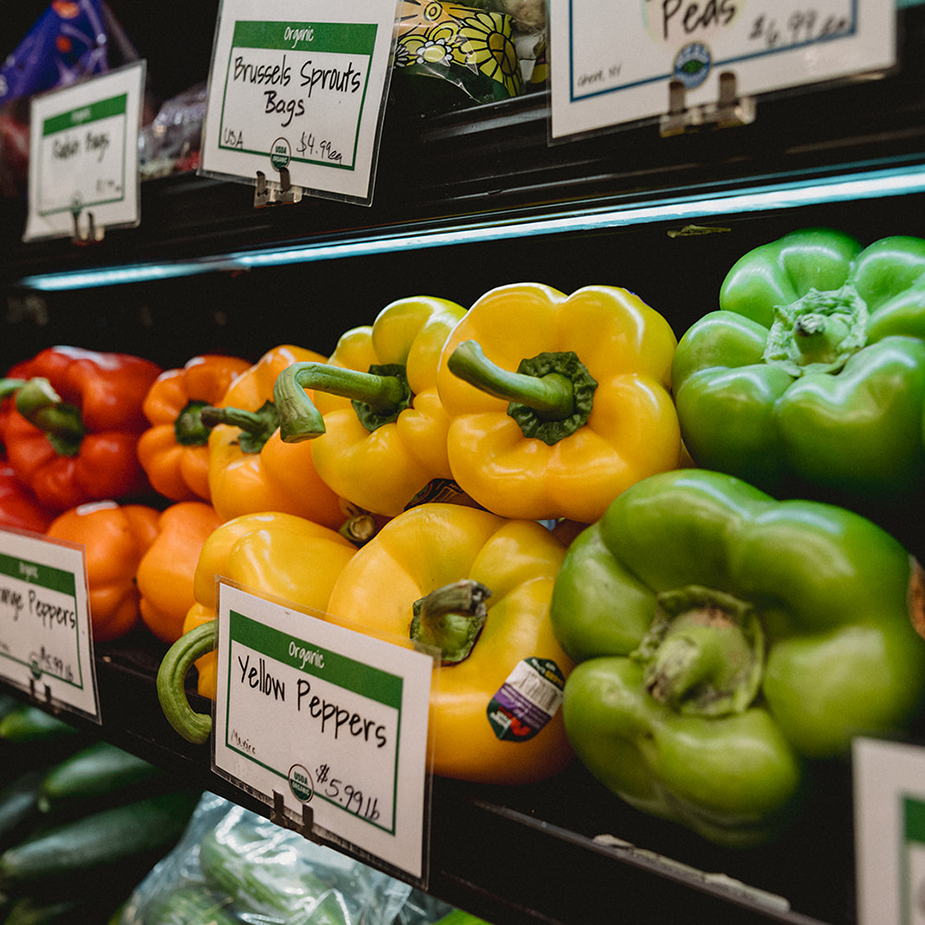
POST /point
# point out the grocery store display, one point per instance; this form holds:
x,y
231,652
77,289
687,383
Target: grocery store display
x,y
558,403
174,450
723,638
813,368
375,419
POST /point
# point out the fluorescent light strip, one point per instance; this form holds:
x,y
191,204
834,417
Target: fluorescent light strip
x,y
892,182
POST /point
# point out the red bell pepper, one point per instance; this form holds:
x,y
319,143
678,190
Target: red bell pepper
x,y
19,508
75,430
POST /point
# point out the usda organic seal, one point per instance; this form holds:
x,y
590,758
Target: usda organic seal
x,y
280,154
692,65
300,783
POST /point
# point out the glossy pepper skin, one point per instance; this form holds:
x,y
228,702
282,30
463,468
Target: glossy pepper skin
x,y
19,508
166,572
558,402
174,450
723,638
812,372
273,554
431,547
248,476
115,537
377,424
75,433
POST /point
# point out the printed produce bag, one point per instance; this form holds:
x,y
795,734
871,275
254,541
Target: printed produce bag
x,y
241,869
71,40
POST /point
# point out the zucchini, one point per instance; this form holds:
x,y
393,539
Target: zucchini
x,y
27,723
100,770
105,843
19,807
268,881
189,905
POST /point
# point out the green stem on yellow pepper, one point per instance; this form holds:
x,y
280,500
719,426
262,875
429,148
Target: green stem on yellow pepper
x,y
451,618
42,406
550,395
378,396
256,426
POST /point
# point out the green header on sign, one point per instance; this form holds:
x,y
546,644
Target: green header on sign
x,y
365,680
345,38
102,109
45,576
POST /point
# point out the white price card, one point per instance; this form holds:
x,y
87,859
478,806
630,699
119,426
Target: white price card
x,y
889,795
46,640
613,62
299,86
83,155
329,718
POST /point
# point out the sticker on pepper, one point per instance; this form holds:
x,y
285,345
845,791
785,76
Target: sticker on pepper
x,y
527,700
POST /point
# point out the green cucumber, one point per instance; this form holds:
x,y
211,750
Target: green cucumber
x,y
27,723
459,917
19,806
101,843
101,770
189,905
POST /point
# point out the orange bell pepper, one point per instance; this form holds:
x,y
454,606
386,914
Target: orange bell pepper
x,y
115,537
174,451
165,574
250,469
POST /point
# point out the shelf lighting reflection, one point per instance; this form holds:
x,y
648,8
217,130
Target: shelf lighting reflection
x,y
863,185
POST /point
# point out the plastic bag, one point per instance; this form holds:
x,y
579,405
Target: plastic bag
x,y
254,872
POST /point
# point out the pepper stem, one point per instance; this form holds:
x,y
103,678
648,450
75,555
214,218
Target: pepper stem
x,y
189,428
704,653
42,406
378,396
256,426
550,396
451,618
171,683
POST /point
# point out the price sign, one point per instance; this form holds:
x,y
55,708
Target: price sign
x,y
299,87
83,155
327,718
46,645
614,62
889,784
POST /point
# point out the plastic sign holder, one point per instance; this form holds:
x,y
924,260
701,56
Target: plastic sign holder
x,y
613,63
46,637
83,157
328,727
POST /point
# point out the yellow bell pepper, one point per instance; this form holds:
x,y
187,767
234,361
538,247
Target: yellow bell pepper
x,y
250,469
484,583
270,553
377,424
558,403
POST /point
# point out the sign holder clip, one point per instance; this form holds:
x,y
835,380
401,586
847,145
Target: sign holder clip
x,y
267,195
729,109
280,817
92,234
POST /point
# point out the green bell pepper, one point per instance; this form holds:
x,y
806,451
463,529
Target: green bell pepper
x,y
724,638
812,371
